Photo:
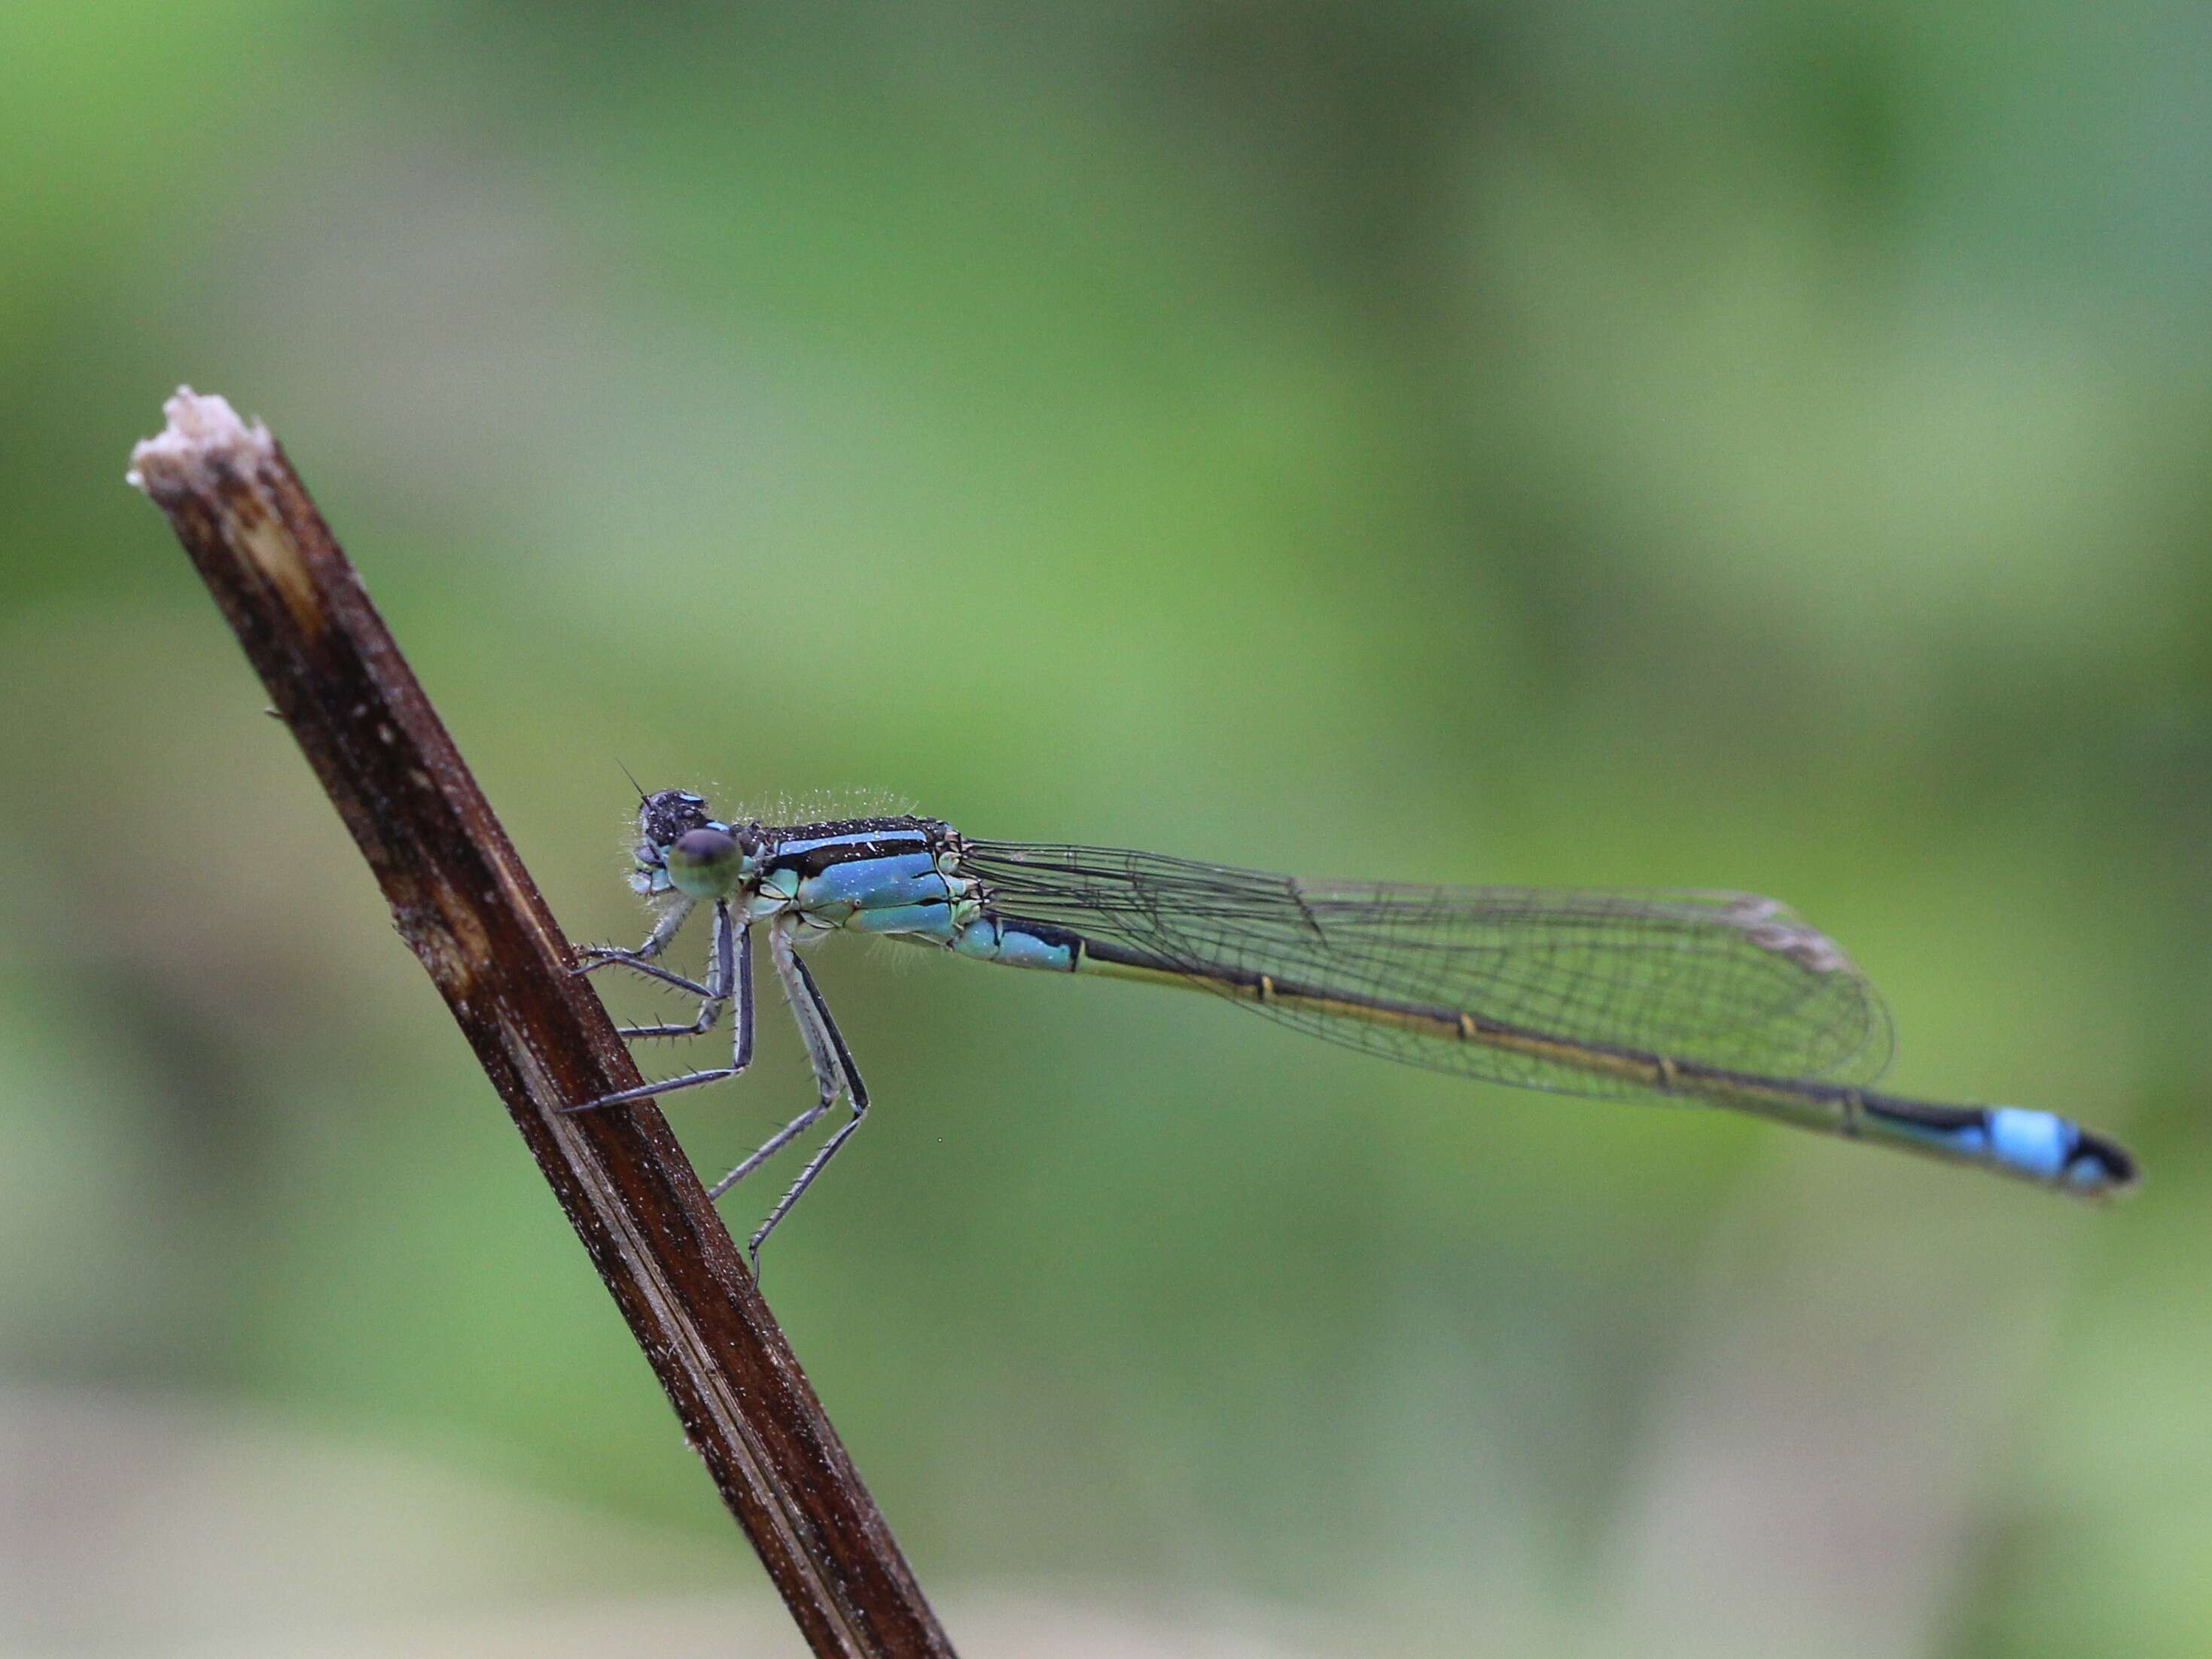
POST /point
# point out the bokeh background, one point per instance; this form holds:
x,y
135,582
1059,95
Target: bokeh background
x,y
1687,443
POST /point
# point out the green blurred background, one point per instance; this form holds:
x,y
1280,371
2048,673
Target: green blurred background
x,y
1757,445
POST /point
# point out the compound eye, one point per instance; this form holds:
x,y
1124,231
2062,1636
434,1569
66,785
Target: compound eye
x,y
704,864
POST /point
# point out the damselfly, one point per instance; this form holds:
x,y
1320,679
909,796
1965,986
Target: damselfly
x,y
1711,997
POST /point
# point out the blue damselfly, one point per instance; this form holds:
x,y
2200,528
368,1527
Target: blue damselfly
x,y
1709,998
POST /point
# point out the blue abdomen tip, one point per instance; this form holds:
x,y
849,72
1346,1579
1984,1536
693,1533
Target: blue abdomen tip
x,y
2050,1148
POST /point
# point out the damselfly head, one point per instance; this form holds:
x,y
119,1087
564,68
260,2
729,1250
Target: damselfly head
x,y
706,863
666,814
663,817
681,850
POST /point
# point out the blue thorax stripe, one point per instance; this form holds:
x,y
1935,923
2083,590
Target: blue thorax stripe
x,y
811,849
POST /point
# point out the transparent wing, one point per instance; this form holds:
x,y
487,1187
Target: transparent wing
x,y
1727,980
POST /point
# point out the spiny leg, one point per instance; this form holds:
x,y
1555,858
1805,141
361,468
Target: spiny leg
x,y
784,956
721,975
611,960
734,958
670,923
640,961
731,967
768,1148
833,1065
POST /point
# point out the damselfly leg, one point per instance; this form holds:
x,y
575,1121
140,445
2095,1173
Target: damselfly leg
x,y
834,1073
729,972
